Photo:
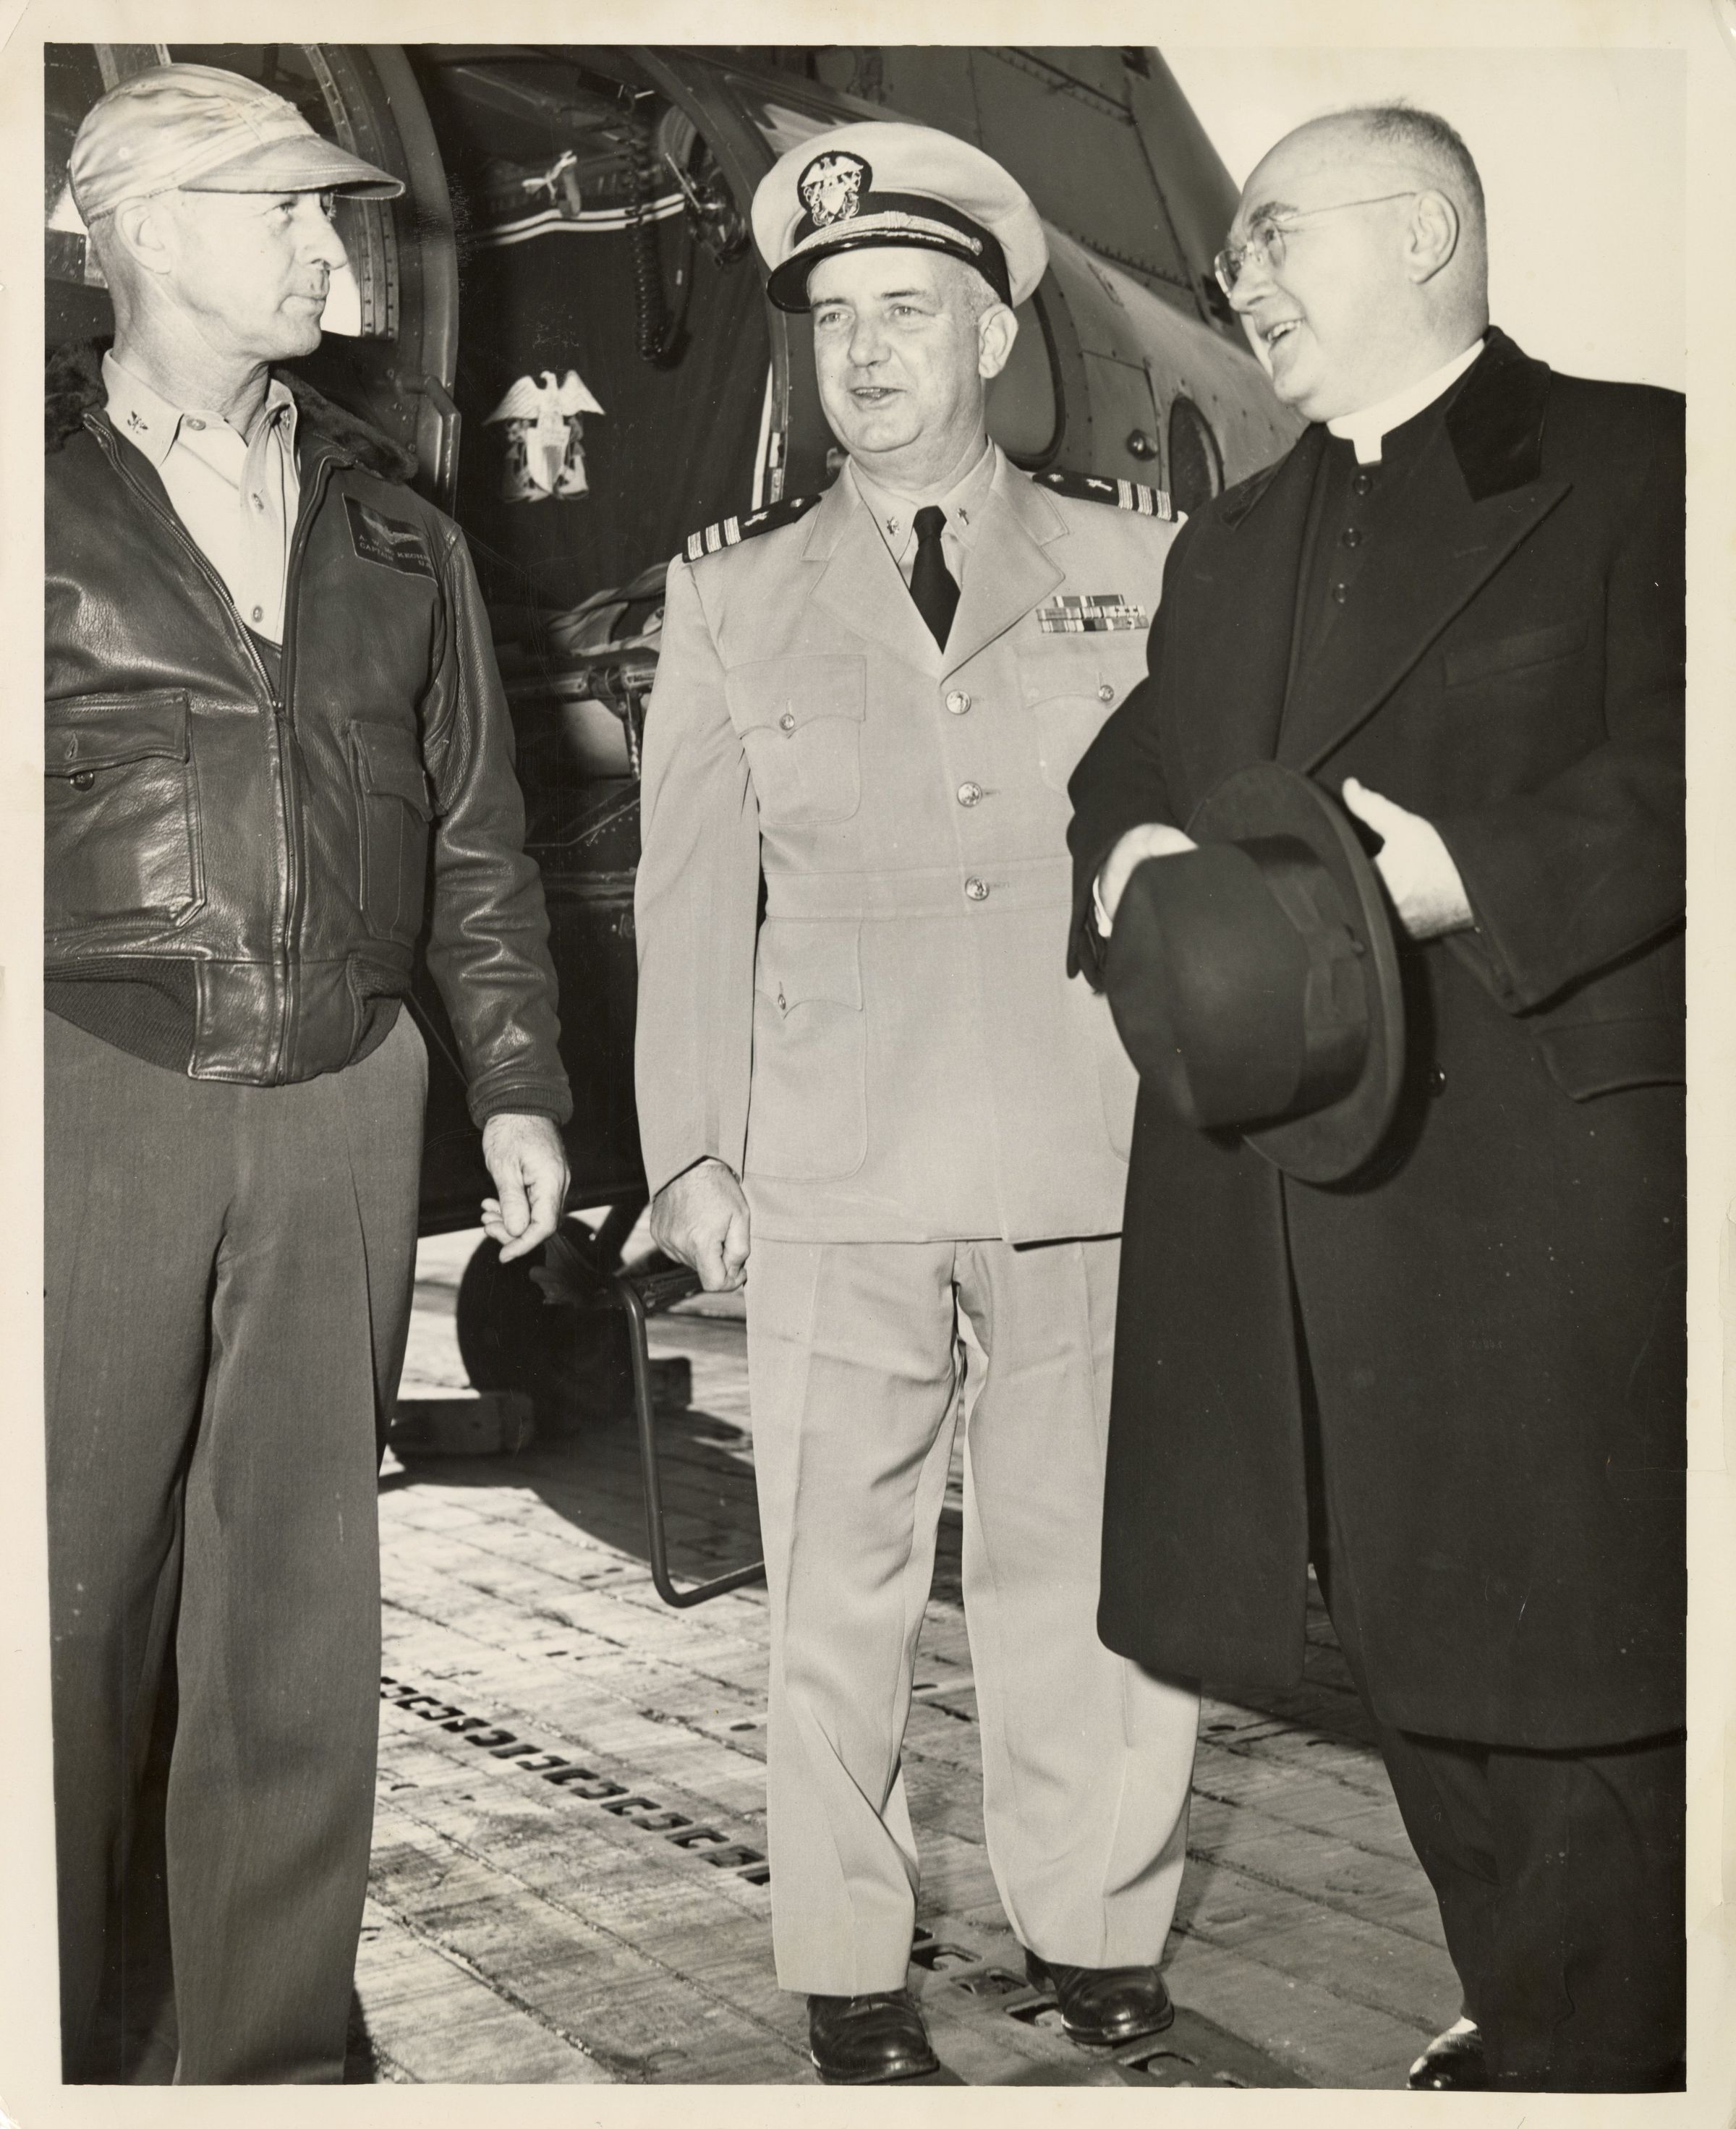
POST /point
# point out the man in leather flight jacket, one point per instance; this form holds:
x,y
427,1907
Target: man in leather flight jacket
x,y
269,687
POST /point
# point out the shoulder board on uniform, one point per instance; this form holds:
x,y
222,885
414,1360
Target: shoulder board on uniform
x,y
1124,494
731,532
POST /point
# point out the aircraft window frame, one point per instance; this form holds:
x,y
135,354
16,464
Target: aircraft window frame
x,y
68,255
1192,443
1039,460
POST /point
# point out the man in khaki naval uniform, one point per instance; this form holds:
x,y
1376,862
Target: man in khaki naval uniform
x,y
871,701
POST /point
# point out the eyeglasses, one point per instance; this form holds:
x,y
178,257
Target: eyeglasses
x,y
1266,239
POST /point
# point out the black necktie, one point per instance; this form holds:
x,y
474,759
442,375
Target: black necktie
x,y
932,584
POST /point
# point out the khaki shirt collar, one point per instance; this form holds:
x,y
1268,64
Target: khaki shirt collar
x,y
147,420
963,503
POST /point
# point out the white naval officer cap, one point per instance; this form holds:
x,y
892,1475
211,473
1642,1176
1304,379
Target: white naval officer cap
x,y
881,183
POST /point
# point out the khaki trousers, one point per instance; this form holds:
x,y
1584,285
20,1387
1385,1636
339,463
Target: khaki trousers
x,y
855,1352
229,1277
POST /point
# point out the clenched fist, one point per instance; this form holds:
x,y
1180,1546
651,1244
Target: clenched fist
x,y
701,1218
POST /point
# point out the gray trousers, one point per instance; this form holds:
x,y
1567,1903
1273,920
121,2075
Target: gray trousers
x,y
229,1273
855,1353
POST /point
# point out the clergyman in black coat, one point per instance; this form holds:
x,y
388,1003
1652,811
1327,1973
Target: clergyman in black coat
x,y
1456,1381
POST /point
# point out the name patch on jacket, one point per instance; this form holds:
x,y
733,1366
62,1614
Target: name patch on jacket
x,y
1087,613
385,539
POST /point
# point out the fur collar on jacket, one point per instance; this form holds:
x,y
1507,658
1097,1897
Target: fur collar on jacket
x,y
75,388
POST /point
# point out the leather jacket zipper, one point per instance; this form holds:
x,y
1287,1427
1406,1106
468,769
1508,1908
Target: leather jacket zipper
x,y
292,809
282,724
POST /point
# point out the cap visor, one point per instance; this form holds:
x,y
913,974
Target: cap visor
x,y
788,284
306,165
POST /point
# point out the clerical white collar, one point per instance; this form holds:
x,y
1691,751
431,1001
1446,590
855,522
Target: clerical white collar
x,y
1367,428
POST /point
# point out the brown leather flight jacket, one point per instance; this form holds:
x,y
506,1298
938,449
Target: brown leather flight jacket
x,y
276,837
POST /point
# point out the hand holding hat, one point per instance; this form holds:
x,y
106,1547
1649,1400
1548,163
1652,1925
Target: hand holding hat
x,y
1416,866
1152,839
1254,979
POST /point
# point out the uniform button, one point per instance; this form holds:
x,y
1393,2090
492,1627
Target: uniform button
x,y
977,889
258,502
194,422
258,613
787,723
84,780
1340,593
969,794
958,701
1363,484
1106,693
1351,536
1437,1078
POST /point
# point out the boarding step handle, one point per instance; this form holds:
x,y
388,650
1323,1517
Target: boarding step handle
x,y
642,1294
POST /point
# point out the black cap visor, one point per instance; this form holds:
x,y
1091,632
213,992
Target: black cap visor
x,y
788,286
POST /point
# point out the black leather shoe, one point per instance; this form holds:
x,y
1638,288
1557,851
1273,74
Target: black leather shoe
x,y
868,2040
1103,2006
1452,2062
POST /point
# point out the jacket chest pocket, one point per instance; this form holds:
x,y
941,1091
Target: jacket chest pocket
x,y
1525,658
121,813
800,723
393,820
1071,686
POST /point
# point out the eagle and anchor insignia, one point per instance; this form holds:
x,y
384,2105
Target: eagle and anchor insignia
x,y
832,186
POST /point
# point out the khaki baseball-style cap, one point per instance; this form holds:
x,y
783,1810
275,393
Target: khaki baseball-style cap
x,y
881,183
200,128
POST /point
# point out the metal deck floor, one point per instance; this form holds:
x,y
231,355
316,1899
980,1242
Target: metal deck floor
x,y
569,1879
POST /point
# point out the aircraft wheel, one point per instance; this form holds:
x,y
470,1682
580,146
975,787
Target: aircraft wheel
x,y
573,1362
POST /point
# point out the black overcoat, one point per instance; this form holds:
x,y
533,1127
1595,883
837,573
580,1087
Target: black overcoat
x,y
1493,1310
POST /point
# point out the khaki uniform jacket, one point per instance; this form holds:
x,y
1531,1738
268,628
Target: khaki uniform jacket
x,y
885,1044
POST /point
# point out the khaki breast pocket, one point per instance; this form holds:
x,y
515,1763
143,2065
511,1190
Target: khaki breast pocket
x,y
121,827
807,1116
1070,686
395,812
801,721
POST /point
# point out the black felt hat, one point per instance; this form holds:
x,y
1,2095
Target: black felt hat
x,y
1255,980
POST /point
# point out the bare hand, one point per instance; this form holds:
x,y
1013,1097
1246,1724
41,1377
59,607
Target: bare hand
x,y
701,1218
528,1165
1414,864
1153,840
